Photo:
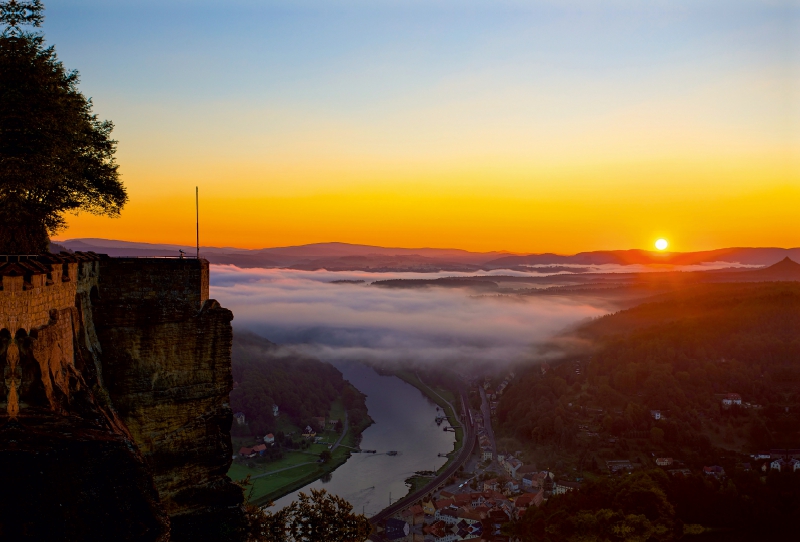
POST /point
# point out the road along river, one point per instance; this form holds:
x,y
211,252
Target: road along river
x,y
404,421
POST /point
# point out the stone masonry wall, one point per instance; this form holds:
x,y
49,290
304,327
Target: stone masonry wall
x,y
166,365
75,470
43,306
28,309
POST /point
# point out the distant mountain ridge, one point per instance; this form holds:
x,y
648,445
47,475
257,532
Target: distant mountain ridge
x,y
784,270
741,255
350,257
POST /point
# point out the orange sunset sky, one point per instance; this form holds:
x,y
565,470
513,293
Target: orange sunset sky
x,y
519,126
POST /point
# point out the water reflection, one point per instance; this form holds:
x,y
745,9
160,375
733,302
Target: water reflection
x,y
404,421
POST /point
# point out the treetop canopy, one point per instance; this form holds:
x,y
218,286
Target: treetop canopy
x,y
56,156
13,13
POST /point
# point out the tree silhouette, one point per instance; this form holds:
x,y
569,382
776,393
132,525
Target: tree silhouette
x,y
311,518
56,156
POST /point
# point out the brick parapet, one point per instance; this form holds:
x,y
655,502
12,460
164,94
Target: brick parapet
x,y
32,288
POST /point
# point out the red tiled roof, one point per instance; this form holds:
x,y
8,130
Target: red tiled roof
x,y
436,529
468,514
524,500
442,503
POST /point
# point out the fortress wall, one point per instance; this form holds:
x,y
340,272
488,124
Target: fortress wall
x,y
166,363
76,472
166,289
42,304
26,309
134,349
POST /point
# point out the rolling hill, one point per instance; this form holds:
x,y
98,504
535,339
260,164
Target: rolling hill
x,y
351,257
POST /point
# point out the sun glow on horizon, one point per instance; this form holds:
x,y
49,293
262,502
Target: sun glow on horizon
x,y
409,124
662,244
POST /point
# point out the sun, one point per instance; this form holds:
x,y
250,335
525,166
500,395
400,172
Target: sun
x,y
662,244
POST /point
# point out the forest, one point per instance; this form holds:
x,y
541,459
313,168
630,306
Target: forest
x,y
652,505
303,387
680,355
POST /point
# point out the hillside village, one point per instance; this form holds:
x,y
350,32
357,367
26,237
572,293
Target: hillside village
x,y
460,512
495,489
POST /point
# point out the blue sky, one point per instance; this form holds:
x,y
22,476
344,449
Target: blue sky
x,y
307,99
372,50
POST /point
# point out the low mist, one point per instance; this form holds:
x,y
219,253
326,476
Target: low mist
x,y
332,321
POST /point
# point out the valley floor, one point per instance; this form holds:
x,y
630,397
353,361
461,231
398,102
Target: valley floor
x,y
270,480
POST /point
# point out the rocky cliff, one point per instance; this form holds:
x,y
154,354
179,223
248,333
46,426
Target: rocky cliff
x,y
166,363
114,423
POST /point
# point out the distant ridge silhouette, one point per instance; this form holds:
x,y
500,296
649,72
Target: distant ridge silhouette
x,y
786,269
345,256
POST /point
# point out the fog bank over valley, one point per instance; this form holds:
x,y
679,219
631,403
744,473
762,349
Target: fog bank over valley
x,y
358,321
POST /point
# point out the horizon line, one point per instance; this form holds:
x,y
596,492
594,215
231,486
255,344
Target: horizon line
x,y
506,252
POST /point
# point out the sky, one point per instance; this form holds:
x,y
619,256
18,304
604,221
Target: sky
x,y
536,126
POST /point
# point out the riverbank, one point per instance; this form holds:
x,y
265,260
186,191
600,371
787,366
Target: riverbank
x,y
446,400
404,422
273,479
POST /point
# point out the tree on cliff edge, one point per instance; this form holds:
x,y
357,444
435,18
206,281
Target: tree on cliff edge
x,y
311,518
56,156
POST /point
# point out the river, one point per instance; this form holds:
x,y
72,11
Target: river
x,y
404,421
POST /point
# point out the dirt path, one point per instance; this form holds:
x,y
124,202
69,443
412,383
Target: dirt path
x,y
344,432
281,470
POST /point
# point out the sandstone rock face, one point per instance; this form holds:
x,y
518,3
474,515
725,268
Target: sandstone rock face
x,y
165,362
74,478
114,422
70,468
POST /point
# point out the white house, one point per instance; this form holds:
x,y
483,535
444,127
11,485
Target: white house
x,y
512,465
778,464
486,454
275,410
559,488
527,480
477,500
656,414
448,515
239,417
511,487
732,399
794,464
269,438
